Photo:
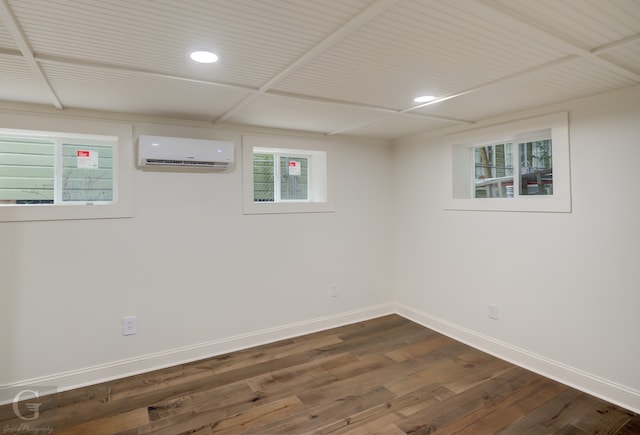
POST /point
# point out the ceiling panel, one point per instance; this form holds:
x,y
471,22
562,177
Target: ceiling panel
x,y
564,82
18,83
299,114
586,23
330,66
88,88
437,48
254,40
6,41
627,56
399,125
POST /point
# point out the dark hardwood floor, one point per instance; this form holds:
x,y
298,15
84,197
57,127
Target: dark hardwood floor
x,y
385,375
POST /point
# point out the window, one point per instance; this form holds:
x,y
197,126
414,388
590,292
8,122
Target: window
x,y
37,168
59,168
495,175
536,167
284,175
519,166
280,177
493,171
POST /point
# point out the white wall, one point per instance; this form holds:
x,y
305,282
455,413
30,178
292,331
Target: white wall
x,y
566,285
200,276
203,278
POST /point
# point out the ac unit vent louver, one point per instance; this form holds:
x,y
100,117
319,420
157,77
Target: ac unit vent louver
x,y
164,162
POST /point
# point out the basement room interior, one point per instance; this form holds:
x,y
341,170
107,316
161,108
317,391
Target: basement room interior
x,y
345,216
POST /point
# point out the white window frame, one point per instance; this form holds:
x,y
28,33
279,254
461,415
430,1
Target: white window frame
x,y
74,129
459,164
319,196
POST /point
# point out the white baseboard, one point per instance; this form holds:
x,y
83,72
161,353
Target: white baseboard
x,y
133,366
571,376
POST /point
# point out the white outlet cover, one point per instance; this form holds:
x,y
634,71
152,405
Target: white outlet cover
x,y
333,291
129,325
493,311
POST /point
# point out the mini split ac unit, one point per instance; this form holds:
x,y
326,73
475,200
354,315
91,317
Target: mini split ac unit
x,y
181,152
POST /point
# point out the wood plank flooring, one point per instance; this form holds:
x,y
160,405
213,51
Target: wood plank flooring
x,y
385,376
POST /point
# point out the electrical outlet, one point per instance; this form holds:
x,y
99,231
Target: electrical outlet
x,y
129,325
333,291
493,311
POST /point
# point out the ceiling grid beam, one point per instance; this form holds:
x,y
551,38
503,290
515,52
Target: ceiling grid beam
x,y
615,44
27,53
492,83
489,10
61,60
579,53
498,81
591,54
355,23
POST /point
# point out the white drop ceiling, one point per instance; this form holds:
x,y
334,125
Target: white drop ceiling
x,y
324,66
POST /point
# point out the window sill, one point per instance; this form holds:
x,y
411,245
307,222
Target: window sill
x,y
26,213
540,204
287,207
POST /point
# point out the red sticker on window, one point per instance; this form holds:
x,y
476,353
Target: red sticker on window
x,y
82,153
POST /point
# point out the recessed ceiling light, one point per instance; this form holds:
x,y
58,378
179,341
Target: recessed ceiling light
x,y
204,56
424,99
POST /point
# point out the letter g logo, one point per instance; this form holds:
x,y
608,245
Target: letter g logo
x,y
32,407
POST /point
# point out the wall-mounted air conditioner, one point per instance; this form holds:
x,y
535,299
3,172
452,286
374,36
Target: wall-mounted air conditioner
x,y
181,152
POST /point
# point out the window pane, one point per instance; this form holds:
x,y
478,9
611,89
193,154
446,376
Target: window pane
x,y
294,178
263,179
87,173
493,171
27,168
536,168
